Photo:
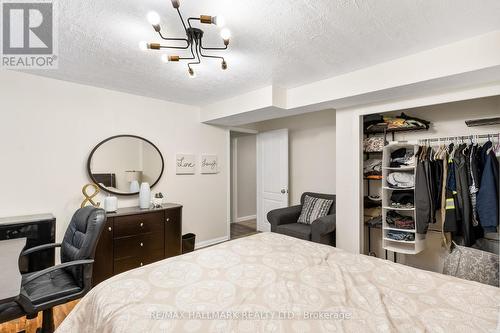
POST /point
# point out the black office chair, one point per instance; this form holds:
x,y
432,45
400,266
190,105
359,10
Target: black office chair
x,y
71,279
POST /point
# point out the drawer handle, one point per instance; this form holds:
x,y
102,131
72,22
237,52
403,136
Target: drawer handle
x,y
142,224
141,263
109,229
168,219
142,244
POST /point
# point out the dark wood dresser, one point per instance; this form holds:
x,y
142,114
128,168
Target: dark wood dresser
x,y
133,237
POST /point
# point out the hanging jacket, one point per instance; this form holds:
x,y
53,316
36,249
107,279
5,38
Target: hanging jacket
x,y
423,200
431,184
452,216
487,197
442,157
473,175
465,225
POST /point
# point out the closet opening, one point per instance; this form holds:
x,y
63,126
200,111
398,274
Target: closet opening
x,y
408,216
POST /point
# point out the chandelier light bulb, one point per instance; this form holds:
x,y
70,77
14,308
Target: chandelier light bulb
x,y
153,18
164,58
219,21
225,34
176,3
143,45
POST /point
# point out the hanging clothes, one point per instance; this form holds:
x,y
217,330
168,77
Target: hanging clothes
x,y
442,156
422,192
452,214
458,183
473,182
487,197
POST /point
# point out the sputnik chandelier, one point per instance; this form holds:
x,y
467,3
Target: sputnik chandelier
x,y
194,40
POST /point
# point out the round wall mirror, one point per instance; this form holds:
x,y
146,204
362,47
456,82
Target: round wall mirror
x,y
119,164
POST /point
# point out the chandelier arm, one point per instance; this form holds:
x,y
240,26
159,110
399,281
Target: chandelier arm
x,y
190,58
197,55
192,18
182,20
212,48
211,56
174,47
174,39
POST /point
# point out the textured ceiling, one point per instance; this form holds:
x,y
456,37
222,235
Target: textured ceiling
x,y
281,42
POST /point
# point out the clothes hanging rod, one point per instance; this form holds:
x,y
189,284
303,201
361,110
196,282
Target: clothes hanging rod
x,y
463,137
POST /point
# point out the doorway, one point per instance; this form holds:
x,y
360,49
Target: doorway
x,y
243,180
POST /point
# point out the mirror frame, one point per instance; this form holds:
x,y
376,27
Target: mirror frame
x,y
89,171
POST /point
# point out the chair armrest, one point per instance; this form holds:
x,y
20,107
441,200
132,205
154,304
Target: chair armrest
x,y
322,226
40,248
284,216
36,275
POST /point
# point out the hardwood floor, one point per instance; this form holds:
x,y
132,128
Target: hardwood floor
x,y
30,326
243,229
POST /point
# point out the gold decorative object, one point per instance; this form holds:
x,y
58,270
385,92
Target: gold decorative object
x,y
89,197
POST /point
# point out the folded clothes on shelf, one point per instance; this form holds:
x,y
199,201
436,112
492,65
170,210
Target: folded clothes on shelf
x,y
372,167
394,123
402,157
401,180
374,221
400,235
399,221
370,213
402,199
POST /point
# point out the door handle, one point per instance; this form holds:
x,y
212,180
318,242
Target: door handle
x,y
283,191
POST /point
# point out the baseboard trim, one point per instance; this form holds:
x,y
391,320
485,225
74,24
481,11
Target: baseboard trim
x,y
246,218
202,244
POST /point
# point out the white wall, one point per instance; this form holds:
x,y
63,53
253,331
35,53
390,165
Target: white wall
x,y
312,151
48,128
245,176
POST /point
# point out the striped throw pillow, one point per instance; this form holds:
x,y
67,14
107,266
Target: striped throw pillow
x,y
313,209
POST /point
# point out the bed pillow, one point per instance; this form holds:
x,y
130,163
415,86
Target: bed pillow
x,y
313,209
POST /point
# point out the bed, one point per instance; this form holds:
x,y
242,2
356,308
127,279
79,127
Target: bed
x,y
274,283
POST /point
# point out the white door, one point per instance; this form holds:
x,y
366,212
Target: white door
x,y
272,174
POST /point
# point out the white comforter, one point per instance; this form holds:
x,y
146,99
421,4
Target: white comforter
x,y
273,283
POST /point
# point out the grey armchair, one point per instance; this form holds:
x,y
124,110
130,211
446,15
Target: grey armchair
x,y
284,221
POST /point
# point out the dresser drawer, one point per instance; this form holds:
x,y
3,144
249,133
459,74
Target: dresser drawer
x,y
125,264
138,224
141,245
173,215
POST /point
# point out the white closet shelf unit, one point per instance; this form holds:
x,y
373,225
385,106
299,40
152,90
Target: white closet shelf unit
x,y
398,246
